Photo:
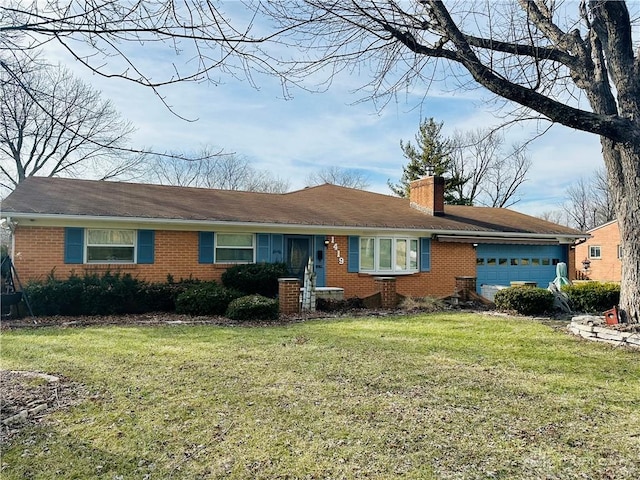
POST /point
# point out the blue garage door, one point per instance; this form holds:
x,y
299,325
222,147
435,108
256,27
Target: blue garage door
x,y
502,264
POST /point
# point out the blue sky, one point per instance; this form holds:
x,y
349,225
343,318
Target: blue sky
x,y
295,137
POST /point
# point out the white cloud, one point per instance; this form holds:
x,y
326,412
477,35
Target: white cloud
x,y
292,138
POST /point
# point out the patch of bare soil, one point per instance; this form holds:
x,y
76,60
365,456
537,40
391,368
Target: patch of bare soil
x,y
26,398
163,318
150,319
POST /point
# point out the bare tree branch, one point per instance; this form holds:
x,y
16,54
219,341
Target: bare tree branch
x,y
56,126
338,176
208,169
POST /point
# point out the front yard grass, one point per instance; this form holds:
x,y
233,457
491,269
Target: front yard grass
x,y
442,396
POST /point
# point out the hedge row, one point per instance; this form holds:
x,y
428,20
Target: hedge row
x,y
109,294
525,300
592,297
115,293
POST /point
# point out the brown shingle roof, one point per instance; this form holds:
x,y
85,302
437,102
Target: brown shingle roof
x,y
324,205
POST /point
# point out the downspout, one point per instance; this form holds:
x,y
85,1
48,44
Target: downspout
x,y
12,227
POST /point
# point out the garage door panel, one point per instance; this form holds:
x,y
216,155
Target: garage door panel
x,y
502,264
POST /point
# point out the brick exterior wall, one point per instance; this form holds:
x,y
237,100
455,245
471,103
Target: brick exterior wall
x,y
40,250
571,263
608,268
448,260
289,296
427,194
387,288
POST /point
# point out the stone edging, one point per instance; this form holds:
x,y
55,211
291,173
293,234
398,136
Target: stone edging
x,y
35,407
589,327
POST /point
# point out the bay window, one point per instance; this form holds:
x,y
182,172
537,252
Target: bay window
x,y
388,254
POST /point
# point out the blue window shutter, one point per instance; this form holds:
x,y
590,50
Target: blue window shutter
x,y
277,248
73,245
425,254
205,247
146,246
353,259
264,247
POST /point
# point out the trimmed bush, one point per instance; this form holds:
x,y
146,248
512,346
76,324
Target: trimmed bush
x,y
56,297
110,294
207,298
88,295
255,278
161,297
524,300
592,297
102,295
253,307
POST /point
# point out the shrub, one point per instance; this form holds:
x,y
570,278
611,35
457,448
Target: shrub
x,y
255,278
524,300
592,297
110,294
102,295
253,307
89,295
161,297
156,297
56,297
206,298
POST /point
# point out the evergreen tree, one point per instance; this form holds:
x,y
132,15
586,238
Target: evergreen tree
x,y
430,156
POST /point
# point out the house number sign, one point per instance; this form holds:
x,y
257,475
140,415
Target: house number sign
x,y
335,247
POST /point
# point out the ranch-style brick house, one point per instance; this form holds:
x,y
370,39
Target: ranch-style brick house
x,y
354,237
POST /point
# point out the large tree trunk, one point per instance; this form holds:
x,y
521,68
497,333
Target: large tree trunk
x,y
623,168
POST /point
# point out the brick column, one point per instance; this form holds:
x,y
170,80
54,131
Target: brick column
x,y
387,288
464,285
289,296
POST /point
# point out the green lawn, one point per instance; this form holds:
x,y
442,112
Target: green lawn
x,y
443,396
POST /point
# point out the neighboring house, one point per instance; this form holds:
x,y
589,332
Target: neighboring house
x,y
600,256
152,231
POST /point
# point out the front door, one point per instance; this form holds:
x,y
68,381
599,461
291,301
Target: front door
x,y
298,251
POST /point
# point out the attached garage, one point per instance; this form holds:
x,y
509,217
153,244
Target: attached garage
x,y
500,264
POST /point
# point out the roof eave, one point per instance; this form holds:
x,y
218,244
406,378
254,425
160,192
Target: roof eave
x,y
267,227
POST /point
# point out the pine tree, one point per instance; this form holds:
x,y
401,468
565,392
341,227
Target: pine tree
x,y
430,156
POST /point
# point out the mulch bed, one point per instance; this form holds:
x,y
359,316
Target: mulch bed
x,y
162,318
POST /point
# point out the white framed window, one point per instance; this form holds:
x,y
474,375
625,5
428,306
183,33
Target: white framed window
x,y
388,254
110,245
235,248
595,251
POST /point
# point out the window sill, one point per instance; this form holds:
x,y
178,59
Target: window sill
x,y
224,266
109,266
388,274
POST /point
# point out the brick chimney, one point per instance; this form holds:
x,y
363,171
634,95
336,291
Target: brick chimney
x,y
427,195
